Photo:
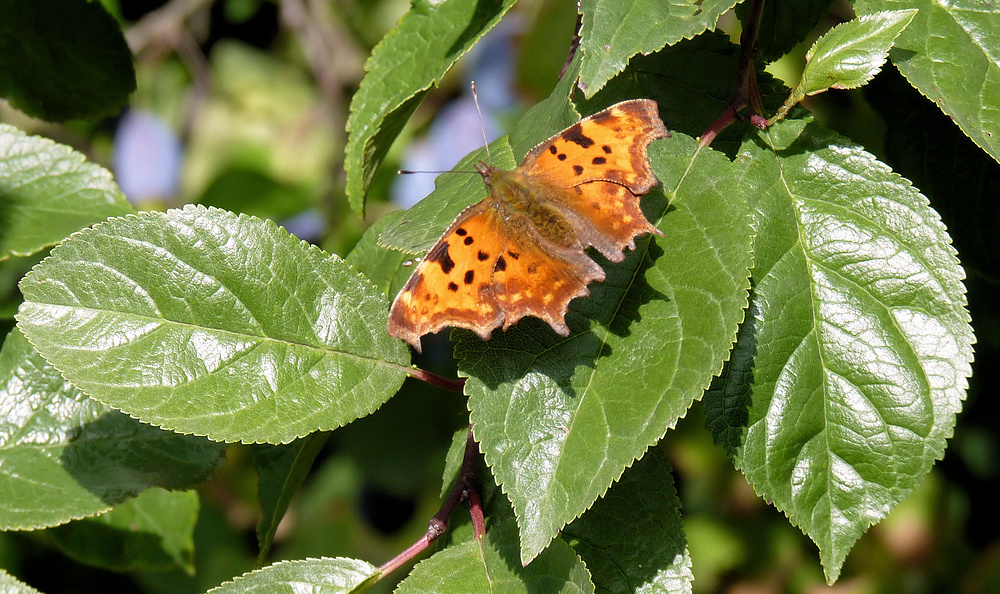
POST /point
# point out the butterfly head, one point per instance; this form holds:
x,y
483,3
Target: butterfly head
x,y
487,171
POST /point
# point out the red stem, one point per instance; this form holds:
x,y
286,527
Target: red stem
x,y
746,93
454,385
464,489
573,46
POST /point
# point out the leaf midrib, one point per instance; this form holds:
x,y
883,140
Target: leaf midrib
x,y
249,337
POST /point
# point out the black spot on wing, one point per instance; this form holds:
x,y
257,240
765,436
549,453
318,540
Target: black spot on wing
x,y
575,134
606,149
460,231
452,287
562,156
468,240
599,161
577,169
441,256
469,276
501,264
514,255
482,256
553,149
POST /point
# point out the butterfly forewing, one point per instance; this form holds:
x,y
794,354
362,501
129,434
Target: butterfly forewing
x,y
451,286
609,145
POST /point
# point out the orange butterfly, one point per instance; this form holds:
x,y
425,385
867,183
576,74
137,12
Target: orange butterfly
x,y
521,250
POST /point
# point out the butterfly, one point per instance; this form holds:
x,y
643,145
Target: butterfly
x,y
521,251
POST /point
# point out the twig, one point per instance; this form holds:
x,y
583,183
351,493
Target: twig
x,y
333,59
575,44
746,92
464,490
454,385
162,26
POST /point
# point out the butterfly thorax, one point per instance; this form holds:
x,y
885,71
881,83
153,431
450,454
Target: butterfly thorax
x,y
522,203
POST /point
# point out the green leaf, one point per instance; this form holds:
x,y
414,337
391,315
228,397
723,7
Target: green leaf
x,y
416,230
692,82
11,585
425,44
559,419
784,24
492,565
850,54
281,471
615,30
924,145
860,343
47,191
65,456
951,54
206,322
387,268
632,539
318,576
152,532
63,59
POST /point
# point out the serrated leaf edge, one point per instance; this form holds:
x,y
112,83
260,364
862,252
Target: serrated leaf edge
x,y
241,217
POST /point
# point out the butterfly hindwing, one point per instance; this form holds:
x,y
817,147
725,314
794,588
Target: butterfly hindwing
x,y
597,168
535,278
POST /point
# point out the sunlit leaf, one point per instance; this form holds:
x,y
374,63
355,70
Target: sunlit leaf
x,y
491,565
48,191
318,576
64,456
615,30
850,54
951,54
206,322
408,61
859,346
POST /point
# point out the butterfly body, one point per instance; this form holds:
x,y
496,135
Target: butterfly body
x,y
521,251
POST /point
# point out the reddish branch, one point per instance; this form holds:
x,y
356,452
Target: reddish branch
x,y
465,490
454,385
745,93
574,44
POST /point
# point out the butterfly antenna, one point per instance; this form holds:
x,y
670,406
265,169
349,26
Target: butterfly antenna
x,y
412,171
482,123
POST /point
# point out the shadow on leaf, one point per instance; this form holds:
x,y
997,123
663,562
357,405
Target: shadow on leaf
x,y
728,399
116,457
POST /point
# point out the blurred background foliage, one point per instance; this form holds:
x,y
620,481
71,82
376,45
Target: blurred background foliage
x,y
242,104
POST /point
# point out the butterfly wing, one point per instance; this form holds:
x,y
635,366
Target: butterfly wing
x,y
533,277
451,286
513,255
490,269
597,168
